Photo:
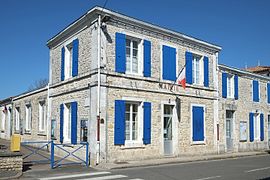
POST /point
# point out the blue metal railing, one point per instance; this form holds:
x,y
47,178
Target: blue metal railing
x,y
32,146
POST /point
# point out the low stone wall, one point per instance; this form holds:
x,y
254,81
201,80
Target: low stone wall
x,y
11,161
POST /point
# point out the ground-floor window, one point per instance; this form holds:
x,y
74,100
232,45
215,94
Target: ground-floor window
x,y
42,117
67,122
3,119
198,123
17,119
268,127
131,116
28,113
256,126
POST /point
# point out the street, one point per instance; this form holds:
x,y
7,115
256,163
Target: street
x,y
255,167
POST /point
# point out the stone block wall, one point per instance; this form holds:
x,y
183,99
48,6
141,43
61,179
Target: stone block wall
x,y
11,163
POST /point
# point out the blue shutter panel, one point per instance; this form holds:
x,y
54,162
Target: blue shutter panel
x,y
206,71
224,85
168,63
268,92
74,110
147,123
147,58
262,126
235,86
255,85
198,123
120,52
61,122
251,127
75,56
119,122
189,67
63,64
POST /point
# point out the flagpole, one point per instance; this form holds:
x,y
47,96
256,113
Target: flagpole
x,y
177,76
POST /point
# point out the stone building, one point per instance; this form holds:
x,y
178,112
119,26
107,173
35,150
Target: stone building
x,y
112,83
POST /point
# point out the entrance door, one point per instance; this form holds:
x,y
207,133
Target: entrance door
x,y
229,130
268,130
167,129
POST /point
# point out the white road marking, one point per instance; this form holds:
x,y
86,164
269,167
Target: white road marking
x,y
259,169
106,177
212,177
136,179
75,175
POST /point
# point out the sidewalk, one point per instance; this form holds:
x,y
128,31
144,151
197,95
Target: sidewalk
x,y
175,160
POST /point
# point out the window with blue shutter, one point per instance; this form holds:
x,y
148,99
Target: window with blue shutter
x,y
255,85
251,127
197,123
268,93
236,87
74,110
61,123
119,122
63,64
75,56
168,63
147,123
224,85
189,67
120,52
147,58
262,126
206,71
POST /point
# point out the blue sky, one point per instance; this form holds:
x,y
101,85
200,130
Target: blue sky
x,y
240,27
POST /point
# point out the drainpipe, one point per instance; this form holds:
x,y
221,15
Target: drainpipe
x,y
98,89
48,111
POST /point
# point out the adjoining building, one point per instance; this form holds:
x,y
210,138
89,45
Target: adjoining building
x,y
112,84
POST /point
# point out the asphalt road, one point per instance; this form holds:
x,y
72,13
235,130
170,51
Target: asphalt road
x,y
256,167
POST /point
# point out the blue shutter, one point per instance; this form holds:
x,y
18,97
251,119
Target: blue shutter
x,y
251,127
74,110
206,71
198,123
61,122
120,52
147,123
224,85
268,92
119,122
189,67
63,64
147,58
235,86
75,56
255,85
168,63
262,126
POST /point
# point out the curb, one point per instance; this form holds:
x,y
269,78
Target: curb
x,y
17,176
157,163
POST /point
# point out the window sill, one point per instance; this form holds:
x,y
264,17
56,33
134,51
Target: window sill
x,y
27,132
198,143
2,131
133,145
41,134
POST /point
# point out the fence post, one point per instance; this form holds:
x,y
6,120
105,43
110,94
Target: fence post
x,y
52,155
87,155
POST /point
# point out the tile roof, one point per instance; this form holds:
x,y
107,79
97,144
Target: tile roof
x,y
258,69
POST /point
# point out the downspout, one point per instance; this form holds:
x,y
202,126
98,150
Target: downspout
x,y
48,111
98,89
217,111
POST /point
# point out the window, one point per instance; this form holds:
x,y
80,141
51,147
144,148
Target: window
x,y
28,117
167,122
42,117
131,115
68,61
67,122
230,86
256,126
197,67
53,129
256,91
132,56
84,130
17,119
198,124
3,119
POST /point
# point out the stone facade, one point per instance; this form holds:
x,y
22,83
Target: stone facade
x,y
11,163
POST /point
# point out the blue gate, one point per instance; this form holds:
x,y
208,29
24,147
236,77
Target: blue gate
x,y
44,152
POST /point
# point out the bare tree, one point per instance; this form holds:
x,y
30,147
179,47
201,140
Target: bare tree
x,y
41,83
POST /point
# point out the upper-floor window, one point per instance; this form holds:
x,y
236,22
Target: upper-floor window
x,y
197,67
230,86
255,91
268,93
69,60
132,55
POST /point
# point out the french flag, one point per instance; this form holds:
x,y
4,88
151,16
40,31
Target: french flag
x,y
182,78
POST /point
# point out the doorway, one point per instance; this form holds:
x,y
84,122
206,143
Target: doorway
x,y
167,129
229,130
268,123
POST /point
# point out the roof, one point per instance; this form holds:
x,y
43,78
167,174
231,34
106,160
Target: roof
x,y
257,69
102,11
